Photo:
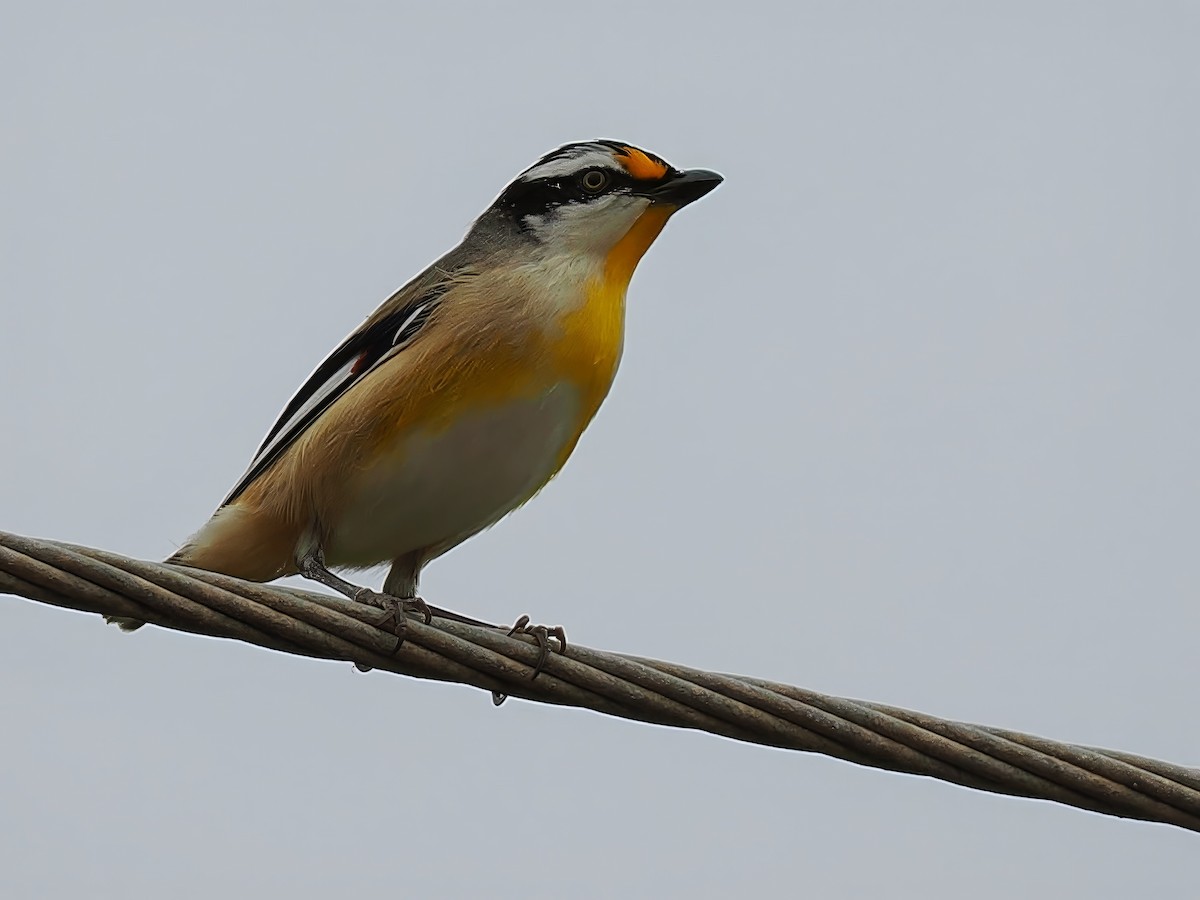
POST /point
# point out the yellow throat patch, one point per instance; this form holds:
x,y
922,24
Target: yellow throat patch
x,y
593,334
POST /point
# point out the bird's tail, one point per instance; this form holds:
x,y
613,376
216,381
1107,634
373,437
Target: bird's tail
x,y
235,541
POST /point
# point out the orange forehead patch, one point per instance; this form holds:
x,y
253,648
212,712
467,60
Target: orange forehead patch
x,y
642,165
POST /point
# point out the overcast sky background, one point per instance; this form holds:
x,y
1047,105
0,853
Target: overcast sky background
x,y
908,412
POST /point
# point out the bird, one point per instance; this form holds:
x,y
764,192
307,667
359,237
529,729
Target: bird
x,y
462,395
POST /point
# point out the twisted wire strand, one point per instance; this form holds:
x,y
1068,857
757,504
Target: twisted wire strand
x,y
746,709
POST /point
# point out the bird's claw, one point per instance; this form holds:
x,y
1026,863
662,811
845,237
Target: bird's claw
x,y
395,609
542,635
419,606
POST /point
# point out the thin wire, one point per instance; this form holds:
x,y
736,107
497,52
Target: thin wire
x,y
456,649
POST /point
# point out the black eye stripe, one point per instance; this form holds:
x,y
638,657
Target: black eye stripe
x,y
522,199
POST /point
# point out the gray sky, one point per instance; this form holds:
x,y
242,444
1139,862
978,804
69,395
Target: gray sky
x,y
907,413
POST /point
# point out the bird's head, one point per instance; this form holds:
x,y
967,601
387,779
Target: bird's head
x,y
586,197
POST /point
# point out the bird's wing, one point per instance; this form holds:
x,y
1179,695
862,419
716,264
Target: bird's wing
x,y
388,331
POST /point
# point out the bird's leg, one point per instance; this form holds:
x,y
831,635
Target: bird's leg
x,y
311,564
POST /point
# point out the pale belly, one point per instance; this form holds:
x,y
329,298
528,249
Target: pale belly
x,y
434,489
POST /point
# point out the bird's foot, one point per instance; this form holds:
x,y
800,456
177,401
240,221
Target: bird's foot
x,y
542,635
396,610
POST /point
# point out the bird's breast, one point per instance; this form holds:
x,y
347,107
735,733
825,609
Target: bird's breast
x,y
491,427
433,487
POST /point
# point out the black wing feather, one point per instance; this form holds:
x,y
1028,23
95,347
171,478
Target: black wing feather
x,y
343,368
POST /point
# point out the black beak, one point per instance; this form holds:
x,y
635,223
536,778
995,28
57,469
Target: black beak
x,y
681,188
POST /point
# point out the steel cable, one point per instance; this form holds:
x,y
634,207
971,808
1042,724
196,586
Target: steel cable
x,y
746,709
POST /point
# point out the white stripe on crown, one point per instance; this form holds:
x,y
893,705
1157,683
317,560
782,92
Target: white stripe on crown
x,y
571,160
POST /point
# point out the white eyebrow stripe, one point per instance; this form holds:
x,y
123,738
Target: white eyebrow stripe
x,y
569,165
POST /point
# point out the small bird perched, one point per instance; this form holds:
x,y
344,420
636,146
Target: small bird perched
x,y
463,394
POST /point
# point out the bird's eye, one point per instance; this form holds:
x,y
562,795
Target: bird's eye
x,y
594,180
